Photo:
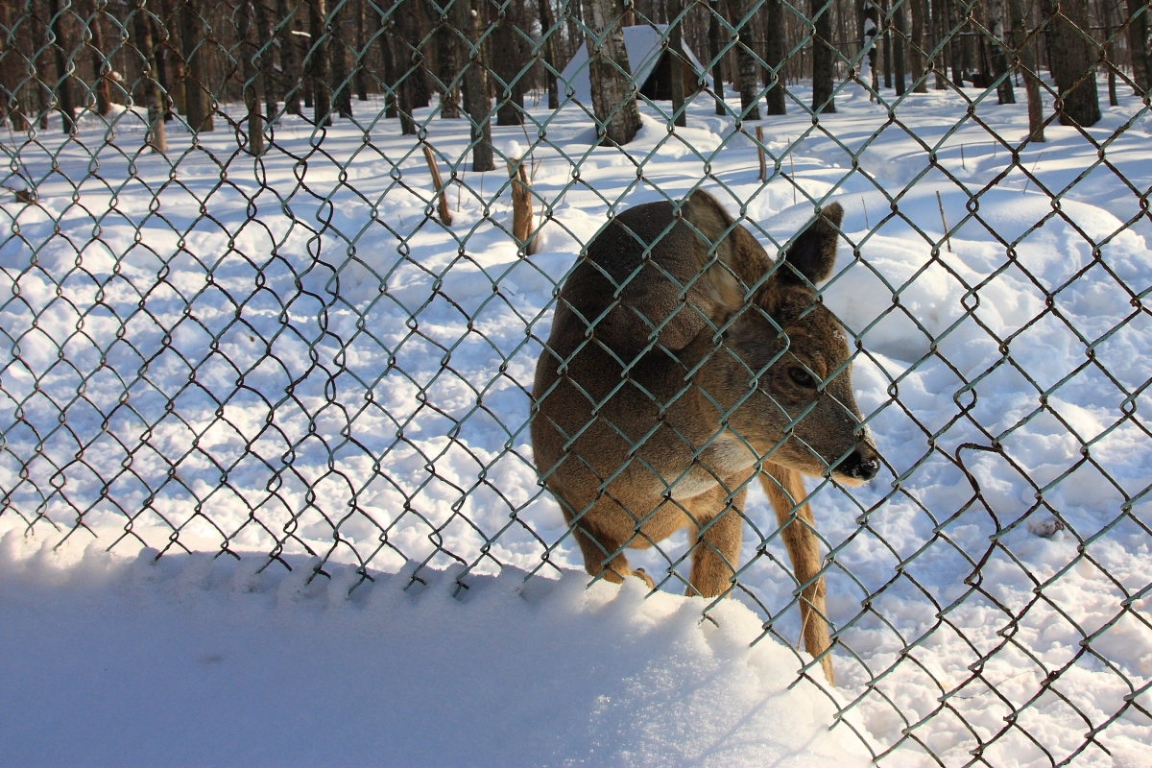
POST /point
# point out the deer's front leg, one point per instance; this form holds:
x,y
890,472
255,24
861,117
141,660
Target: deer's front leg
x,y
718,531
785,489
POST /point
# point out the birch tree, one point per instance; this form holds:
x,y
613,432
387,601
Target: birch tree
x,y
613,92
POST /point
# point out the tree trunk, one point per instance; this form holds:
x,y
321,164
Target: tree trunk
x,y
747,65
448,70
945,22
823,57
385,34
13,78
1073,57
715,44
916,67
316,63
1138,11
101,67
613,94
403,72
291,65
473,87
339,82
1107,9
899,44
776,51
678,63
360,76
62,47
197,99
1138,44
574,23
999,43
889,45
253,86
1026,63
939,25
263,32
871,26
509,65
549,32
156,135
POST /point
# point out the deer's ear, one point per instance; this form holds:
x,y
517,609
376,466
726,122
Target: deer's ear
x,y
812,256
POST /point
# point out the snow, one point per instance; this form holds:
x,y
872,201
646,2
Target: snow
x,y
299,364
195,661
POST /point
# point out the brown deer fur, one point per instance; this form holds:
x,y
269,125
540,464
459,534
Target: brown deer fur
x,y
682,364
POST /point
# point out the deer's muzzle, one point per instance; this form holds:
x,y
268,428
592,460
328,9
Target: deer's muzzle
x,y
860,466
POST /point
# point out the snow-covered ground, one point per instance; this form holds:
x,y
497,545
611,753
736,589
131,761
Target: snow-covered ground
x,y
292,358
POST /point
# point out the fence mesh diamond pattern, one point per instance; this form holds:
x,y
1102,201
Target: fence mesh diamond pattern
x,y
270,287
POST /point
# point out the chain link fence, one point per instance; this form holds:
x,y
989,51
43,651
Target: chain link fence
x,y
263,291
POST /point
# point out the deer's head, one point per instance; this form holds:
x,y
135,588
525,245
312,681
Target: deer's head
x,y
782,371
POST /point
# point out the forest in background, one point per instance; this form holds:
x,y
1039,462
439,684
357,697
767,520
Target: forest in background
x,y
482,59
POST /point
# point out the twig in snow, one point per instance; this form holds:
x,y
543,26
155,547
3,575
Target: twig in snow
x,y
947,237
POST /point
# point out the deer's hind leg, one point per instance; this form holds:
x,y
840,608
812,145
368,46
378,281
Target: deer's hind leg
x,y
786,491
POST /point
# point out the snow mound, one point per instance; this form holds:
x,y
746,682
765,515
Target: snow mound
x,y
191,659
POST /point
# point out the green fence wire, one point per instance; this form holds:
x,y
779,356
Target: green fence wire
x,y
237,313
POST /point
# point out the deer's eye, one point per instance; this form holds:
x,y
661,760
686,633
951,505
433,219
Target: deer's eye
x,y
801,377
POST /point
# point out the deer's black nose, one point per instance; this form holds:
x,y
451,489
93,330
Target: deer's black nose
x,y
861,465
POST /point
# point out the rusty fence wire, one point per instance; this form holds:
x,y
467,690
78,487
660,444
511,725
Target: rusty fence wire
x,y
265,290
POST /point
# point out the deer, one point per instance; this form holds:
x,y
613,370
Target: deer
x,y
682,364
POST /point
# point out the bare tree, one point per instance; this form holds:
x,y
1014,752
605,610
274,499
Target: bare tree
x,y
870,12
473,87
316,65
613,94
62,47
899,43
715,44
999,57
101,67
1138,11
823,57
156,135
1026,63
548,34
197,97
339,80
448,67
889,44
1073,56
360,36
267,63
776,52
747,66
1107,9
251,73
919,10
291,67
510,62
676,44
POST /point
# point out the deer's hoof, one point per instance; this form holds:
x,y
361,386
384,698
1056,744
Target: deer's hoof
x,y
640,573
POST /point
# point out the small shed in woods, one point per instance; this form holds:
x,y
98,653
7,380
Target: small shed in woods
x,y
652,62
